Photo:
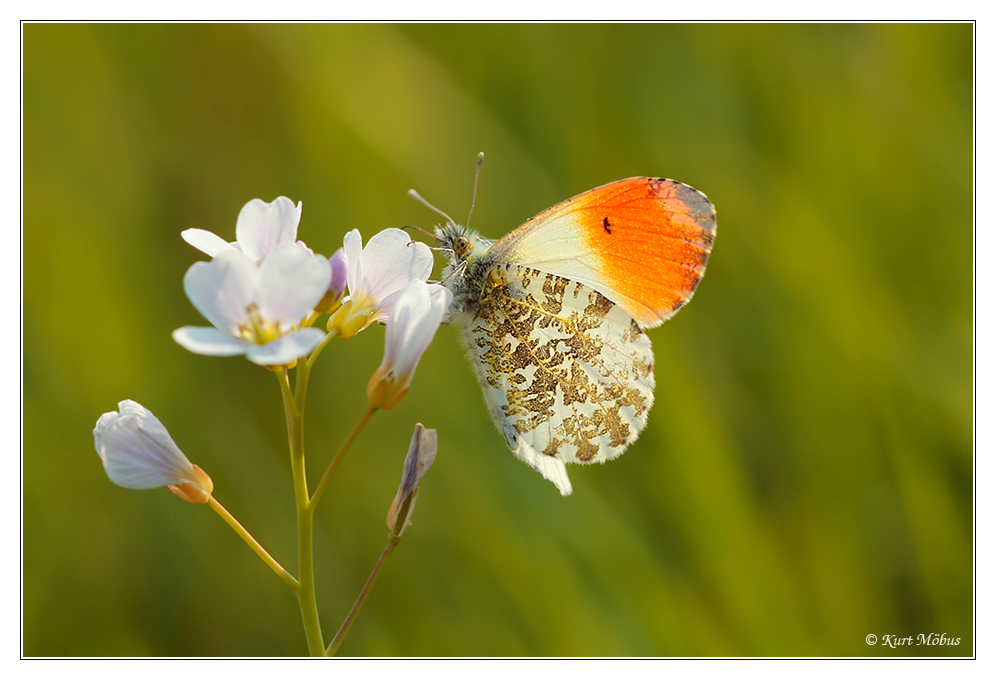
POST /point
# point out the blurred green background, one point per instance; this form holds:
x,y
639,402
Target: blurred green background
x,y
806,476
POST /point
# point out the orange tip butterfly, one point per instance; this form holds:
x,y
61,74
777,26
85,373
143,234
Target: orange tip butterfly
x,y
553,314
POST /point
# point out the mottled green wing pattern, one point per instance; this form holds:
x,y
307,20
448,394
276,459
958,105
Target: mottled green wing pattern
x,y
567,374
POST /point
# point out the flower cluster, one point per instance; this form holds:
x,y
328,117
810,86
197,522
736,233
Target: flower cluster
x,y
262,293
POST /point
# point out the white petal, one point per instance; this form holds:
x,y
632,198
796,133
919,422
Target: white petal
x,y
205,241
286,348
389,261
423,330
411,327
223,289
261,227
412,304
292,282
209,341
136,449
352,247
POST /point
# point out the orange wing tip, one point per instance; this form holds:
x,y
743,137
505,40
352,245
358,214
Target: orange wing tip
x,y
653,238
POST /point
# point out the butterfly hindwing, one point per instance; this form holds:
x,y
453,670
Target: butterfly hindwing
x,y
567,374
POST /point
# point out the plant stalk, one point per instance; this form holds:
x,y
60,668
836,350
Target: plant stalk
x,y
392,542
294,410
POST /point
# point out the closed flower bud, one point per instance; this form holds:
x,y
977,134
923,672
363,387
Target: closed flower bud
x,y
138,453
421,454
337,287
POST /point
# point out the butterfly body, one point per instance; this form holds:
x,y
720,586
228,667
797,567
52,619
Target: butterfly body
x,y
552,315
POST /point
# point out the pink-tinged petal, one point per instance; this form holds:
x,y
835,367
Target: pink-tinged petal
x,y
286,348
205,241
261,227
292,282
209,341
137,451
223,289
339,267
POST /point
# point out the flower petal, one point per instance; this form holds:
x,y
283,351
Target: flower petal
x,y
223,289
411,327
209,341
286,348
422,330
261,227
205,241
339,265
390,260
352,249
137,451
292,282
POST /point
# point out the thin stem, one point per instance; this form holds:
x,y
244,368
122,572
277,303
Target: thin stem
x,y
392,542
320,489
285,389
294,409
334,333
254,544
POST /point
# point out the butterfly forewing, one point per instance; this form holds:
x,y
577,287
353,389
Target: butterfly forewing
x,y
567,374
642,242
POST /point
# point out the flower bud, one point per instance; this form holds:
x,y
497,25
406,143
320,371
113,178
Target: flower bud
x,y
198,491
138,453
421,454
338,285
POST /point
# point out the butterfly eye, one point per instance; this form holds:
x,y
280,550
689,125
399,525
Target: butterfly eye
x,y
461,246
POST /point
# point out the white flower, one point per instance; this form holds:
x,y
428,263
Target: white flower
x,y
256,310
376,275
138,453
421,454
413,322
260,228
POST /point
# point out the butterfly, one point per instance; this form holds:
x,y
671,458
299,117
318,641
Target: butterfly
x,y
553,314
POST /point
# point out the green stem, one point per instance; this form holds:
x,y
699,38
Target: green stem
x,y
254,544
334,333
294,410
392,542
320,489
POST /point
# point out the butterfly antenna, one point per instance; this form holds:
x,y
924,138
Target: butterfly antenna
x,y
414,194
477,176
430,235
